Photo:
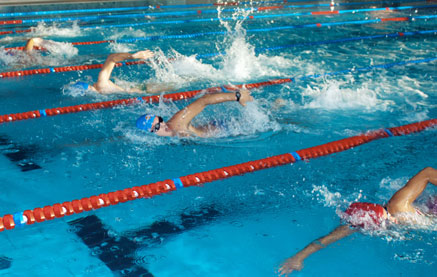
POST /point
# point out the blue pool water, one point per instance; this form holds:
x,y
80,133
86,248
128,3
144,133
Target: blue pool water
x,y
245,225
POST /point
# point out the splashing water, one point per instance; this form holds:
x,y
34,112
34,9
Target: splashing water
x,y
328,199
60,50
58,53
388,186
128,32
415,256
331,96
239,64
121,47
43,29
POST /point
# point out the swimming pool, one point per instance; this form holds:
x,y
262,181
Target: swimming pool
x,y
245,225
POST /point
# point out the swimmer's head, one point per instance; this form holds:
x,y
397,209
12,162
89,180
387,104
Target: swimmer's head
x,y
365,215
81,85
154,124
11,53
145,122
432,205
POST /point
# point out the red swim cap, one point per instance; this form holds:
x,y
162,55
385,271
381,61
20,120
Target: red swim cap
x,y
365,215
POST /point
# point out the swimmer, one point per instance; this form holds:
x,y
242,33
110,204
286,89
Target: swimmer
x,y
34,43
399,210
59,52
105,86
180,123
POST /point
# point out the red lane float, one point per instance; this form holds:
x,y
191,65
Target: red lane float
x,y
395,19
94,202
129,101
10,22
61,69
324,13
15,32
269,8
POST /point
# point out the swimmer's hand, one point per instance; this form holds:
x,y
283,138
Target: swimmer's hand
x,y
245,96
143,55
293,263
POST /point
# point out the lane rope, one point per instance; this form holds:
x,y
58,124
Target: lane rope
x,y
59,210
188,36
123,9
251,17
200,12
19,73
187,94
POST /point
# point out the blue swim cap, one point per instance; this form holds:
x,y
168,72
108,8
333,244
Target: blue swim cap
x,y
81,86
145,122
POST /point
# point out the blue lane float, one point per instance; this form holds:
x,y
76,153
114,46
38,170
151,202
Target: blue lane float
x,y
126,9
184,13
311,25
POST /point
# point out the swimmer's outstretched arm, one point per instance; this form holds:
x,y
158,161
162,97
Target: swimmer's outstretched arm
x,y
296,262
182,119
402,200
108,66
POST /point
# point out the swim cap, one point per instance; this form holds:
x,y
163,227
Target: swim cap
x,y
364,214
81,86
432,205
145,122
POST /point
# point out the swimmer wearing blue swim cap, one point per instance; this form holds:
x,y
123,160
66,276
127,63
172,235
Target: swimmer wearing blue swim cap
x,y
145,122
180,123
81,86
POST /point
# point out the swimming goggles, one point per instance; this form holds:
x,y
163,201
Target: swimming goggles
x,y
157,125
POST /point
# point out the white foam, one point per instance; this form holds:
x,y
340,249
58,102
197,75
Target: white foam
x,y
331,96
239,64
329,199
415,256
415,117
58,54
43,29
127,32
12,57
389,186
8,39
60,50
121,47
182,70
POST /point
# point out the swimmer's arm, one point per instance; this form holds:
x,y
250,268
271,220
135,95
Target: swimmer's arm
x,y
403,199
150,89
112,59
33,42
184,116
296,262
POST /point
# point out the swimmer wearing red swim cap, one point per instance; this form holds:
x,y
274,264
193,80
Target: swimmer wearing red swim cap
x,y
369,215
180,123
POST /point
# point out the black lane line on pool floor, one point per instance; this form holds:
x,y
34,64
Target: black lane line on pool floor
x,y
17,154
5,262
118,251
